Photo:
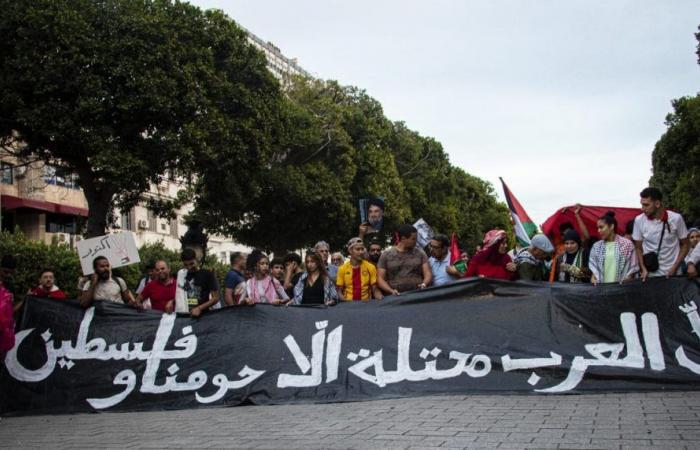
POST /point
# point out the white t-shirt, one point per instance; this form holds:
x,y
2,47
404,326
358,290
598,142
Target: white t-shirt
x,y
110,289
694,256
649,232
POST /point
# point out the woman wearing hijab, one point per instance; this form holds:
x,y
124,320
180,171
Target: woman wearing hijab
x,y
493,260
572,265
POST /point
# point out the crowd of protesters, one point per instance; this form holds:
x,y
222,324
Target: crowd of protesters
x,y
656,244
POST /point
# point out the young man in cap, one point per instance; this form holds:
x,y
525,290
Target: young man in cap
x,y
357,278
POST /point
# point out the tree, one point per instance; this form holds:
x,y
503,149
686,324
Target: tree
x,y
447,197
118,91
676,159
329,154
335,147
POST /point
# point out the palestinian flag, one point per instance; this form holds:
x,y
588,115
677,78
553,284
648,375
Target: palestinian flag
x,y
524,227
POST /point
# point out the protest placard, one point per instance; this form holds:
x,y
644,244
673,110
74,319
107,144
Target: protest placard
x,y
119,248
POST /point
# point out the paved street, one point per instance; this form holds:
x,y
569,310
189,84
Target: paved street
x,y
610,421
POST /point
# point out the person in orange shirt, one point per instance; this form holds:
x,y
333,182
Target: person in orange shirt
x,y
357,278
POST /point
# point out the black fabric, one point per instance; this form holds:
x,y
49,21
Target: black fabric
x,y
200,284
313,295
476,335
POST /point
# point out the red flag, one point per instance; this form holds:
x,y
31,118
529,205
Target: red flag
x,y
454,249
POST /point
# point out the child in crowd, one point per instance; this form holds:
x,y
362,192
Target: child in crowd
x,y
262,287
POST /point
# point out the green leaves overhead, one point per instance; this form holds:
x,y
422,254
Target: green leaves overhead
x,y
336,146
676,159
121,90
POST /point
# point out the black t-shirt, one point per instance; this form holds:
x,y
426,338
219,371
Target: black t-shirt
x,y
313,295
295,280
199,285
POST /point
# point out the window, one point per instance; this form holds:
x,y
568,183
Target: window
x,y
126,221
6,174
60,176
152,221
173,228
58,223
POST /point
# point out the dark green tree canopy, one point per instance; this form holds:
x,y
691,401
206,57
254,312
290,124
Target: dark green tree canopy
x,y
676,156
676,159
336,146
121,90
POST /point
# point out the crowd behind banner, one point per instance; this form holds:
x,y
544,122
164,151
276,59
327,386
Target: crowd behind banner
x,y
657,243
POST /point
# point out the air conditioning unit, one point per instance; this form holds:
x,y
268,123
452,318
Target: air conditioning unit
x,y
142,224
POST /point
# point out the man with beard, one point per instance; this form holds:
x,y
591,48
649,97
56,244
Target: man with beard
x,y
161,291
374,251
660,237
103,286
375,217
404,267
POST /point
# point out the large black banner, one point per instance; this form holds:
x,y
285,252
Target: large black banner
x,y
473,336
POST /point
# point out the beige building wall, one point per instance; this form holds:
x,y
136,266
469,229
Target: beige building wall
x,y
35,182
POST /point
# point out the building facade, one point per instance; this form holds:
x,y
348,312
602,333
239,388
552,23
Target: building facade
x,y
282,67
46,203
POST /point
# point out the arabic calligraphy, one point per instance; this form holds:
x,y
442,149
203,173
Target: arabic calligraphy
x,y
65,355
327,362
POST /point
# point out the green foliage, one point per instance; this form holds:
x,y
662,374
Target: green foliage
x,y
33,256
676,159
335,147
676,156
120,90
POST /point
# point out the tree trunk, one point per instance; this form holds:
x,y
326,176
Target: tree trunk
x,y
100,200
97,218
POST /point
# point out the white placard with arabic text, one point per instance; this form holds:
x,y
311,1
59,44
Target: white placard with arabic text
x,y
119,248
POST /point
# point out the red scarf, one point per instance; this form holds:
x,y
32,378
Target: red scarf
x,y
664,218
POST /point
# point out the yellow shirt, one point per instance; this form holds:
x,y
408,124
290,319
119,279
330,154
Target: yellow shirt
x,y
354,283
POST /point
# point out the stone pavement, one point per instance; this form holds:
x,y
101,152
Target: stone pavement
x,y
611,421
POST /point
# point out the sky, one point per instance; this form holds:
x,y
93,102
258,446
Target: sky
x,y
563,99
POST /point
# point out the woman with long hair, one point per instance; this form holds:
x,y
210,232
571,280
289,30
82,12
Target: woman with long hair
x,y
261,287
492,261
315,287
613,258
